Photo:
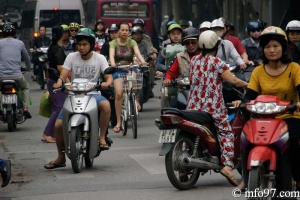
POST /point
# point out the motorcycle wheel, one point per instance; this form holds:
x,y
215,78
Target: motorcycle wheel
x,y
87,161
10,121
133,116
258,179
76,155
181,177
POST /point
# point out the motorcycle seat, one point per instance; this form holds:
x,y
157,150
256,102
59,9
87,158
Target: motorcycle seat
x,y
199,117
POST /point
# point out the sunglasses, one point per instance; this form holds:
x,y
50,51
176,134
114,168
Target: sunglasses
x,y
73,30
190,42
255,30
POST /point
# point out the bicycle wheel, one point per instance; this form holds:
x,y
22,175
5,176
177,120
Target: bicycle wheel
x,y
124,115
133,115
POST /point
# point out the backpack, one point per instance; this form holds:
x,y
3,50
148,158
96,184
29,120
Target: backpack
x,y
169,53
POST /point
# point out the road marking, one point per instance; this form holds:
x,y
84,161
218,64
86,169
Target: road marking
x,y
153,163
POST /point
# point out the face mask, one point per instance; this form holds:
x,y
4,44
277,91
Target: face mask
x,y
219,33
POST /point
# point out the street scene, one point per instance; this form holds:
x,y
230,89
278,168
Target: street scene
x,y
149,99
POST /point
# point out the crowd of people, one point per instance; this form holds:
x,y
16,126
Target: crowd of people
x,y
201,53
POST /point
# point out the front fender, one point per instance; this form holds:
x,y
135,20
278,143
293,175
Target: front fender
x,y
77,119
261,154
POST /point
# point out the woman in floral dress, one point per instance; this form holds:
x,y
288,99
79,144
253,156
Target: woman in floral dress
x,y
206,75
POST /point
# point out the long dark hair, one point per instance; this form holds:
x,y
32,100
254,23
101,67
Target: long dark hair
x,y
57,33
265,40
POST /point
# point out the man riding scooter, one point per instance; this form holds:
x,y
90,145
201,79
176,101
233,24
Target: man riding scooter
x,y
181,63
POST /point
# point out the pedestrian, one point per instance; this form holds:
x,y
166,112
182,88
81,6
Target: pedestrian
x,y
56,56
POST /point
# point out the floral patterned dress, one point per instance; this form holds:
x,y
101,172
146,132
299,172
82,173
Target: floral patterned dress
x,y
206,95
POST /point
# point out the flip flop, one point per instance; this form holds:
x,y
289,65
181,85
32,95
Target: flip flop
x,y
230,177
104,147
117,129
52,165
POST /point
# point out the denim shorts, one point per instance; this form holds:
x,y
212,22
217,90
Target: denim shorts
x,y
116,74
99,98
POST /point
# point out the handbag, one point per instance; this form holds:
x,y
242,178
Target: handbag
x,y
45,105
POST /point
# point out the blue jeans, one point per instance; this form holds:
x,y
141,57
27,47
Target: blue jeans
x,y
2,164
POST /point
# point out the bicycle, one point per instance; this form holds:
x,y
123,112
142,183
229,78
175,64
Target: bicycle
x,y
131,82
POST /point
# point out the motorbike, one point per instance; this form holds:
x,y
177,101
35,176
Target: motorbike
x,y
190,144
181,87
12,111
80,116
99,44
42,65
264,138
144,93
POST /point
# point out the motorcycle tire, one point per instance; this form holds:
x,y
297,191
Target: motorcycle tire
x,y
10,121
76,155
134,114
87,161
182,178
258,179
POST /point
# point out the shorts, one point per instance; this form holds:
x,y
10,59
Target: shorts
x,y
99,98
116,74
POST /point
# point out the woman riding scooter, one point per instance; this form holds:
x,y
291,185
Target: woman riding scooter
x,y
280,77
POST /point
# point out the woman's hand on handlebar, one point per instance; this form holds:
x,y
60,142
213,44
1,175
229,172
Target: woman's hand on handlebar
x,y
236,103
145,64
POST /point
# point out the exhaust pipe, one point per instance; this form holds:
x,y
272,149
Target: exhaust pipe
x,y
198,163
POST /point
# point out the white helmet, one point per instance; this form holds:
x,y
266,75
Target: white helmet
x,y
217,23
208,40
293,25
205,24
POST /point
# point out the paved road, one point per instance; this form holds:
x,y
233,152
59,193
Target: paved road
x,y
131,169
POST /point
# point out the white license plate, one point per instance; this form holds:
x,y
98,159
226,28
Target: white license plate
x,y
9,99
167,136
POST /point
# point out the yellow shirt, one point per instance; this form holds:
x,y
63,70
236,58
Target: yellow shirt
x,y
283,86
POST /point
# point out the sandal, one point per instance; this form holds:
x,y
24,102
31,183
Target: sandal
x,y
230,177
52,165
138,105
117,129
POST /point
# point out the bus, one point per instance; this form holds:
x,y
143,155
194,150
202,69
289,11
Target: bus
x,y
116,11
48,13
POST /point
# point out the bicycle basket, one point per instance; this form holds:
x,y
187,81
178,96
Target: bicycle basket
x,y
131,81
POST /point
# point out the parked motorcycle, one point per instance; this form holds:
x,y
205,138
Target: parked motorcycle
x,y
42,66
264,138
190,144
12,111
80,119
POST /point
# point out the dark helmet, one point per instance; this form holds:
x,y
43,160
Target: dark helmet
x,y
9,29
113,27
86,33
136,29
99,22
184,23
254,25
189,33
138,22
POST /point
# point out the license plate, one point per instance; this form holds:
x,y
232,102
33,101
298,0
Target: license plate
x,y
9,99
167,136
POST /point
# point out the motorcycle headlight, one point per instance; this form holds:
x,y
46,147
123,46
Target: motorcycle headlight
x,y
80,87
265,108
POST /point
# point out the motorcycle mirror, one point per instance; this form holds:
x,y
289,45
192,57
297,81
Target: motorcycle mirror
x,y
227,85
110,70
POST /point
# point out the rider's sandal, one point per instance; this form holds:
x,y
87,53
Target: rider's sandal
x,y
230,177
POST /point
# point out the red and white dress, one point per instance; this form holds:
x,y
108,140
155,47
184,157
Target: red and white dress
x,y
206,95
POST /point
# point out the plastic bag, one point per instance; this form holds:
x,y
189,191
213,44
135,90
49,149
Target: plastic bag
x,y
45,105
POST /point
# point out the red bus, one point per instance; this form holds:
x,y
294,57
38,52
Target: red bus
x,y
116,11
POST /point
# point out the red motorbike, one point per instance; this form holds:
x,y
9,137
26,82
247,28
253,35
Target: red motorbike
x,y
264,138
190,144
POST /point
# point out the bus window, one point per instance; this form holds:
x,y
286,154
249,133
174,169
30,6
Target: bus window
x,y
50,18
125,10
